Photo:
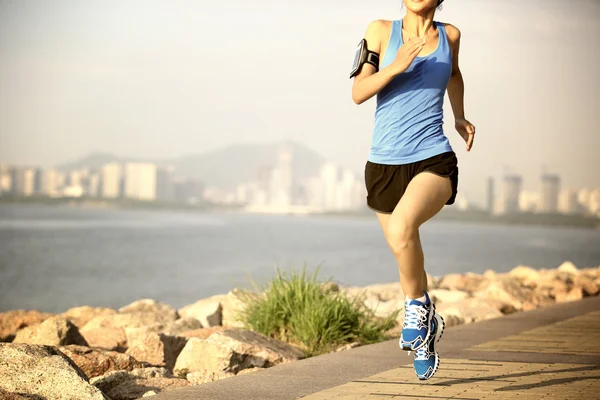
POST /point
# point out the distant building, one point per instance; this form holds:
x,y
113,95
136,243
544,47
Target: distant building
x,y
52,182
490,195
568,203
23,181
111,180
281,183
93,185
140,181
329,178
550,193
189,191
5,181
511,193
529,201
165,184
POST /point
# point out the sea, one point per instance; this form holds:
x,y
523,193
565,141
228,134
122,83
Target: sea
x,y
56,257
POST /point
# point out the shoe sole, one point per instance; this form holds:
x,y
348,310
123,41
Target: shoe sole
x,y
407,347
438,336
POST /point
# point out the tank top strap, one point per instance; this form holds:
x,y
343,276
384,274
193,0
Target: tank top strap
x,y
394,43
443,37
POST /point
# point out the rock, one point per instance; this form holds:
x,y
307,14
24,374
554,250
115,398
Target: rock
x,y
490,274
198,378
150,393
152,372
80,316
23,367
207,311
122,385
568,268
447,296
4,395
586,284
182,325
383,292
202,333
12,321
96,362
155,348
527,275
465,282
108,331
572,295
469,310
330,287
163,311
383,309
234,303
232,350
506,291
54,331
453,320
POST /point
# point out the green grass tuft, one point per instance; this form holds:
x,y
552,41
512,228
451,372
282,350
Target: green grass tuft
x,y
296,308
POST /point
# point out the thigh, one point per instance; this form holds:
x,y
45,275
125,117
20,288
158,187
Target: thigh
x,y
425,196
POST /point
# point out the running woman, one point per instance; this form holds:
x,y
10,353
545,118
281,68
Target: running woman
x,y
412,171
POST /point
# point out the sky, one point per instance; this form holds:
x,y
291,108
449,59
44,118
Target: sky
x,y
162,79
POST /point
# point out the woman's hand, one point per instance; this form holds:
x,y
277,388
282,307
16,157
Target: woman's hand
x,y
466,130
407,53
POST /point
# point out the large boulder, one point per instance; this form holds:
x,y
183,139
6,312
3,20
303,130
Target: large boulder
x,y
80,316
233,350
123,385
470,310
154,348
203,333
468,282
568,268
447,296
207,311
198,378
43,372
526,275
383,309
96,362
108,331
162,311
234,304
54,331
507,291
12,321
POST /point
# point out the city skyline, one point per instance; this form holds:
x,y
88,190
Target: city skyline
x,y
102,76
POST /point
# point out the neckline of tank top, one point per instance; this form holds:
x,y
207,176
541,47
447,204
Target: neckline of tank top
x,y
438,26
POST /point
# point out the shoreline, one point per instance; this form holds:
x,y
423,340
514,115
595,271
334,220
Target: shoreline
x,y
154,345
471,216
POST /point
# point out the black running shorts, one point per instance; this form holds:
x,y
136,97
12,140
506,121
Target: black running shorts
x,y
386,183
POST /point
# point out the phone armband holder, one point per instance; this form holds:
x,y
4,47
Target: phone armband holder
x,y
363,56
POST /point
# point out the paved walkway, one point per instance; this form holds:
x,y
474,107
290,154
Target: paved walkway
x,y
552,353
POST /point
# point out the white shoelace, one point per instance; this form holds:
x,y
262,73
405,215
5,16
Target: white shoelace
x,y
416,317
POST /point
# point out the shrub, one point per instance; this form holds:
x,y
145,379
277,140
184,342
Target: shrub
x,y
298,309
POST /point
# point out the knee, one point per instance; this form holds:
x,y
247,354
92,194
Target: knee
x,y
402,234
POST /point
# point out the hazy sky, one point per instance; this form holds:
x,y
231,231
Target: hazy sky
x,y
148,78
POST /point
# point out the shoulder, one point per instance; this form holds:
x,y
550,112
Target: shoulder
x,y
377,31
452,31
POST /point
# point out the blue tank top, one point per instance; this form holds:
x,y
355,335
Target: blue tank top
x,y
409,113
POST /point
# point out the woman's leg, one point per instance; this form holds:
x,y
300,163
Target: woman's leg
x,y
424,197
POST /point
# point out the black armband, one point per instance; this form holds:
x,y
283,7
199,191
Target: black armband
x,y
363,56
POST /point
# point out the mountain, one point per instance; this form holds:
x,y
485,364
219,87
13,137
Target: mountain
x,y
225,167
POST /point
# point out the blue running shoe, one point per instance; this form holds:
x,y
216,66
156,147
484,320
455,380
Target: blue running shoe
x,y
427,360
417,321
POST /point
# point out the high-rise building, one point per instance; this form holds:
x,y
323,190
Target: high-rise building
x,y
511,193
281,185
549,194
23,181
52,182
529,201
5,185
140,181
490,195
165,184
329,178
111,180
567,202
93,185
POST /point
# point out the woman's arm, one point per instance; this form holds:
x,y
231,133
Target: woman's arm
x,y
456,90
368,82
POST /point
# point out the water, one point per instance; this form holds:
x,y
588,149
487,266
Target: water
x,y
53,258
